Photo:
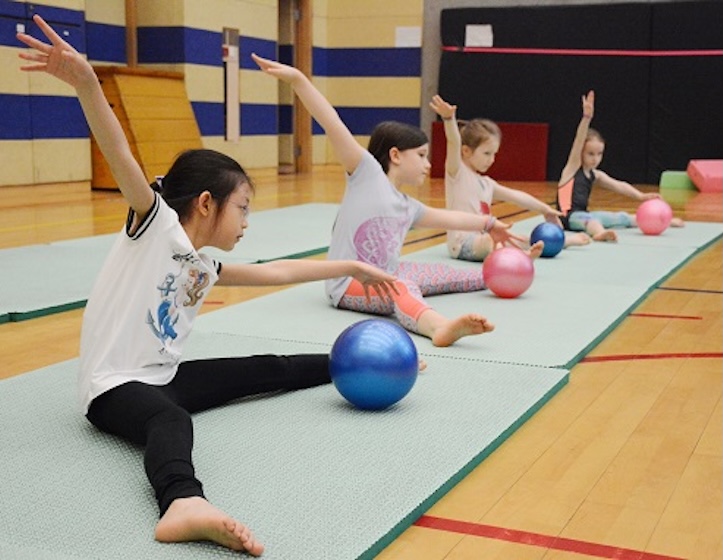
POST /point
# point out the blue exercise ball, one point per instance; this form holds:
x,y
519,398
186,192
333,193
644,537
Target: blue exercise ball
x,y
373,364
553,237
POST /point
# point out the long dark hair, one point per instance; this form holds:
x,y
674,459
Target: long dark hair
x,y
196,171
392,134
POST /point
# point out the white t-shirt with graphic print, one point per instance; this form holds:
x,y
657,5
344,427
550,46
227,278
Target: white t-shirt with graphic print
x,y
142,305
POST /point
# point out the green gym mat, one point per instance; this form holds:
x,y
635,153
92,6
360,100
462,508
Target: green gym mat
x,y
313,476
575,299
43,279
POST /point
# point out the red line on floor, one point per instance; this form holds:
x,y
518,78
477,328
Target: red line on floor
x,y
660,316
213,302
629,357
537,539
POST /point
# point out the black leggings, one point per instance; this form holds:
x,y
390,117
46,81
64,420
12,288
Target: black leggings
x,y
158,417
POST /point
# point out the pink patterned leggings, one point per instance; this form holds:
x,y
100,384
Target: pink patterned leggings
x,y
414,282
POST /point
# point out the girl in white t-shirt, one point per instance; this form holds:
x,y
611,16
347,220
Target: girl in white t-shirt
x,y
132,381
375,216
470,153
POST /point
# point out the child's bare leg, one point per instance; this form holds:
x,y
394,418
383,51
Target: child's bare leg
x,y
445,332
576,239
195,519
599,233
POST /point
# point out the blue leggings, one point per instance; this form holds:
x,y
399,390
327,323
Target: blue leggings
x,y
577,221
159,417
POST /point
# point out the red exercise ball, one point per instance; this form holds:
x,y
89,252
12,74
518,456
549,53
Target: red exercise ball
x,y
508,272
653,216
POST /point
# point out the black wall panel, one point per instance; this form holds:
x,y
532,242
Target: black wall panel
x,y
640,100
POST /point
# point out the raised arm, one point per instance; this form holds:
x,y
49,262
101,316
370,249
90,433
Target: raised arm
x,y
348,151
61,60
574,160
451,130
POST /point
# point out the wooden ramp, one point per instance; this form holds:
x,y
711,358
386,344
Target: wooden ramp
x,y
156,115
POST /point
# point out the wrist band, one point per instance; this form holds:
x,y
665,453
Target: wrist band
x,y
490,224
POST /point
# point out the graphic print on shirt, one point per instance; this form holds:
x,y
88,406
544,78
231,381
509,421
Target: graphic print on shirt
x,y
192,281
197,281
377,241
484,208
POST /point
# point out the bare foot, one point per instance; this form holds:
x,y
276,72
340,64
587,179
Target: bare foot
x,y
195,519
577,239
606,235
677,222
535,250
465,325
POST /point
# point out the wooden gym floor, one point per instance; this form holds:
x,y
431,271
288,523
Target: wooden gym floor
x,y
625,462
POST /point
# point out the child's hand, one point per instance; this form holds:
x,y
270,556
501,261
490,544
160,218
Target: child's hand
x,y
442,108
649,196
501,235
588,104
58,59
281,71
376,279
553,216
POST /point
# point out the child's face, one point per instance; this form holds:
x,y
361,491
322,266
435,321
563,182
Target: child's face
x,y
592,153
414,165
483,156
232,219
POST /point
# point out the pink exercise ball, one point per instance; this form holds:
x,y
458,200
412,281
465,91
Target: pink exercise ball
x,y
508,272
654,216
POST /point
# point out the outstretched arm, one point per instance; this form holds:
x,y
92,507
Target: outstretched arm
x,y
61,60
347,149
621,187
451,130
441,218
294,271
528,202
574,160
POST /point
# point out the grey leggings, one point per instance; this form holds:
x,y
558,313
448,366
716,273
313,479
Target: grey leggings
x,y
159,417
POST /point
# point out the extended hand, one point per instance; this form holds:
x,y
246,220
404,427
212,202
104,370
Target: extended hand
x,y
501,235
442,108
58,58
376,279
283,72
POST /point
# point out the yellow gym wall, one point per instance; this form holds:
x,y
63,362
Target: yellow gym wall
x,y
364,25
336,24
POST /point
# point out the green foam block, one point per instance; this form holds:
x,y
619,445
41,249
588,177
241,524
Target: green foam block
x,y
676,180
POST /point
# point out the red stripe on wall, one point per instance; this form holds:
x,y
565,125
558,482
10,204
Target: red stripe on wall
x,y
536,539
584,52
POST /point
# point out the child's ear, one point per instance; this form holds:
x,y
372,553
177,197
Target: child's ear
x,y
394,155
204,203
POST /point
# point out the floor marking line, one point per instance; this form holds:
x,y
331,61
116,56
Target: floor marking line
x,y
537,539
